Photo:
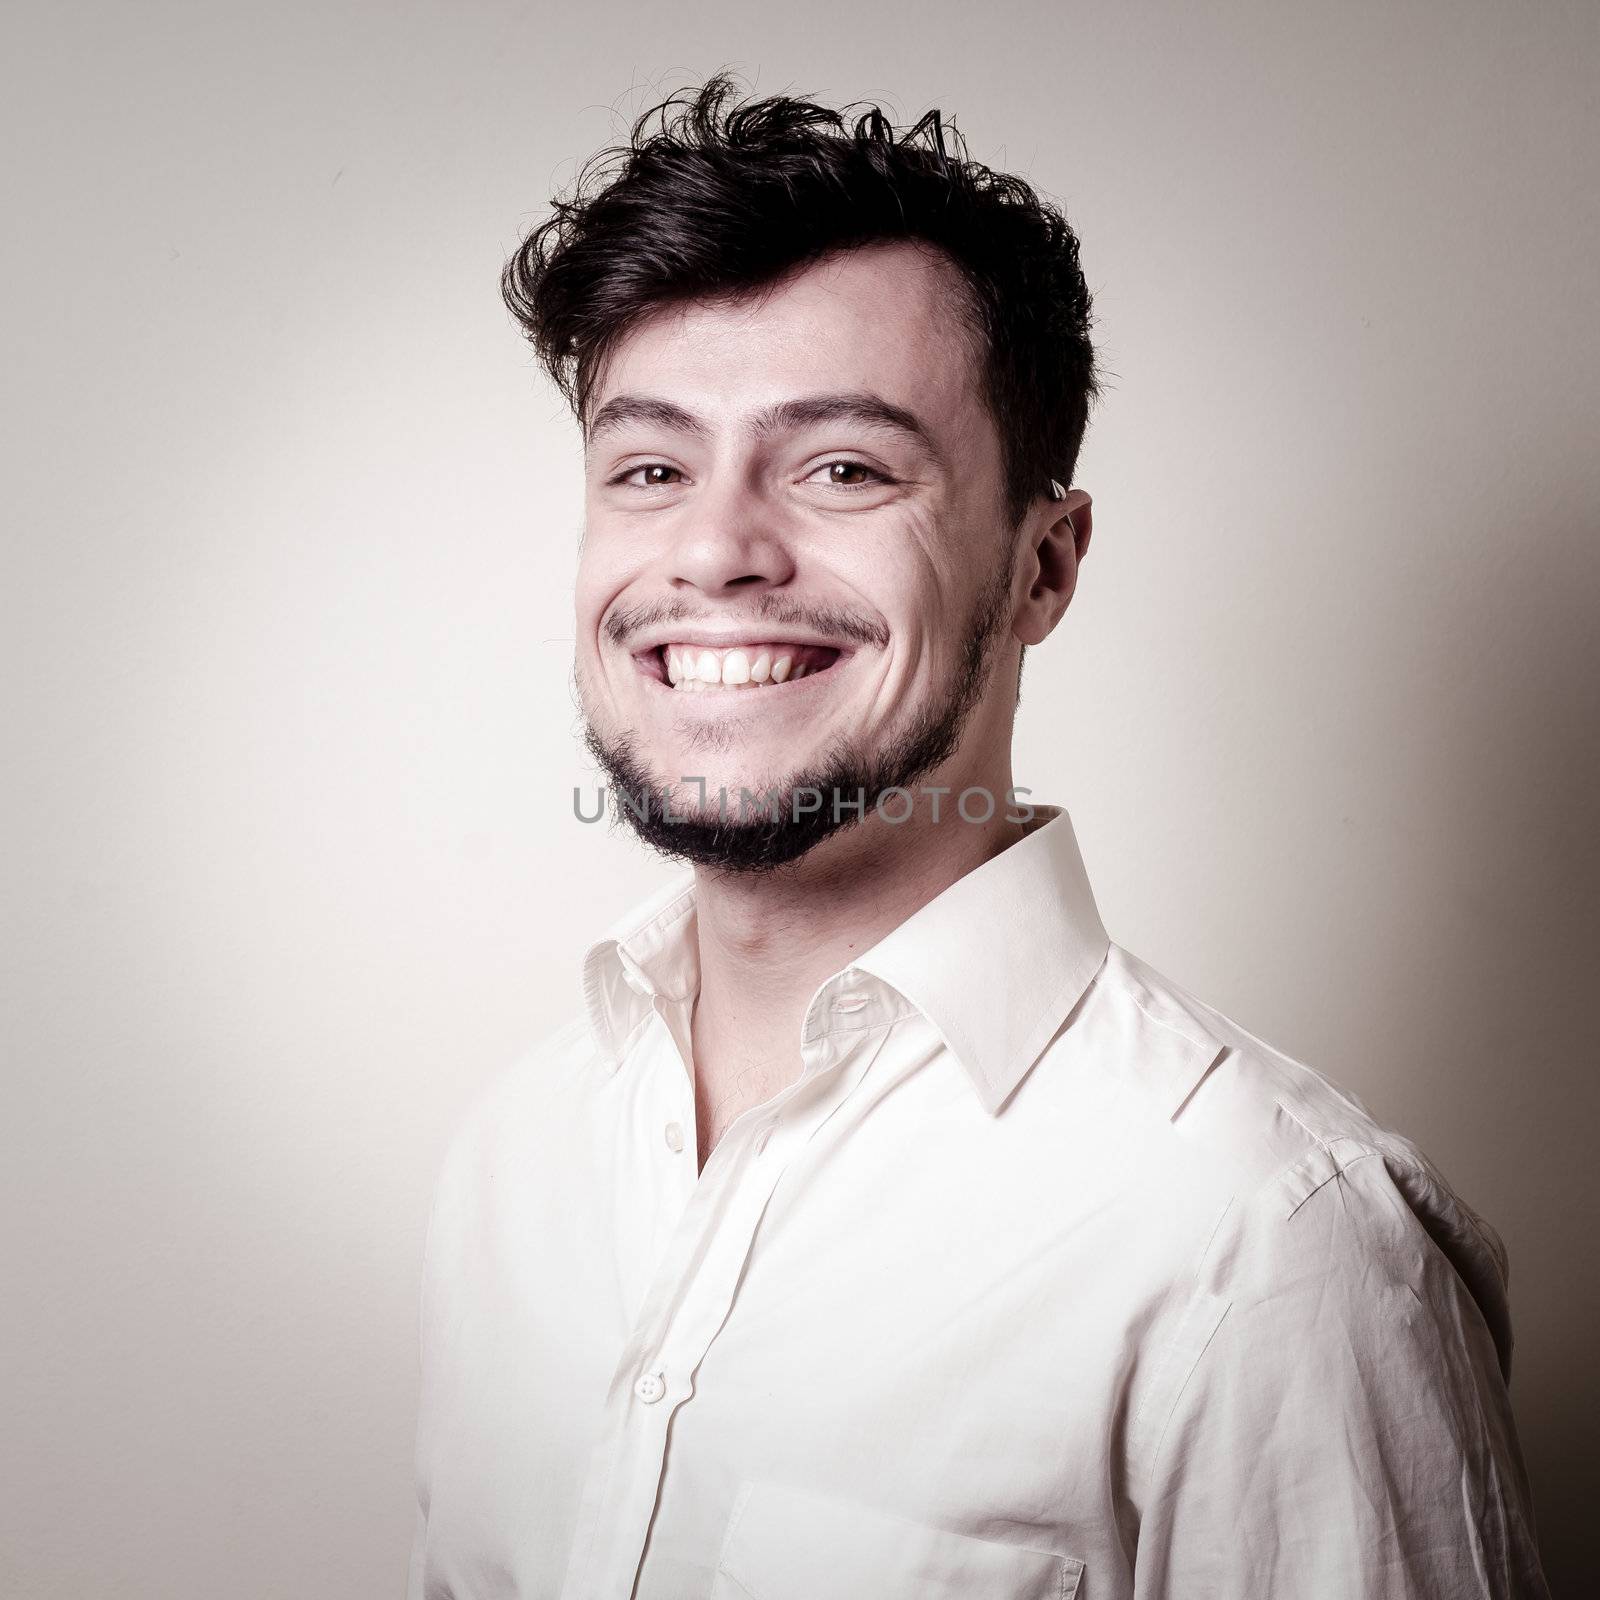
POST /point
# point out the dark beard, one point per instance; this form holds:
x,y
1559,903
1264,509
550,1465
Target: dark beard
x,y
730,834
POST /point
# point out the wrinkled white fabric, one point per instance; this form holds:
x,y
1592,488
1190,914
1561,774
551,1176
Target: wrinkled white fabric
x,y
1045,1279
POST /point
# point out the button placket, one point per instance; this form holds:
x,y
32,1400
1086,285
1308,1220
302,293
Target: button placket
x,y
677,1325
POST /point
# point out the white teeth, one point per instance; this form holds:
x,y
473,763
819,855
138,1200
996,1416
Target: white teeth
x,y
694,668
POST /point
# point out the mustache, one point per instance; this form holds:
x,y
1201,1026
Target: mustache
x,y
829,622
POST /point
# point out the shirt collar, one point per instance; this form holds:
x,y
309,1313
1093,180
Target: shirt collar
x,y
996,962
649,952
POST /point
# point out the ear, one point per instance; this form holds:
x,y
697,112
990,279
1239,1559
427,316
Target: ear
x,y
1057,540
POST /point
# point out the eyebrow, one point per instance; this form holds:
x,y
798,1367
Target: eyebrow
x,y
869,410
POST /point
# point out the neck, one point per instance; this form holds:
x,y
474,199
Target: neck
x,y
767,942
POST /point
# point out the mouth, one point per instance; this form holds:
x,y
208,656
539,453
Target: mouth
x,y
689,668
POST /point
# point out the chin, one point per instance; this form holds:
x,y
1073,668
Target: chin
x,y
726,752
724,777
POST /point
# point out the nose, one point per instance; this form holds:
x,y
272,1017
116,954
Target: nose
x,y
729,542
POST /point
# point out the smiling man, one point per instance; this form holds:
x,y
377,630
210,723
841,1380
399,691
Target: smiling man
x,y
878,1228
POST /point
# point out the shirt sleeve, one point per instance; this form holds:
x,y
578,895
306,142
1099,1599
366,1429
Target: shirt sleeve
x,y
1345,1429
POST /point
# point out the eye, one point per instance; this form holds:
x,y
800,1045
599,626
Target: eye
x,y
852,475
655,475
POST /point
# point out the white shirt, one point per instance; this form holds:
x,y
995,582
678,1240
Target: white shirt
x,y
1044,1279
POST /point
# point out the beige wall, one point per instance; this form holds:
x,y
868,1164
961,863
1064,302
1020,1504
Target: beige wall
x,y
290,867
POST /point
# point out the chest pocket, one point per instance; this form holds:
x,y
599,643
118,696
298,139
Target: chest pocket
x,y
787,1544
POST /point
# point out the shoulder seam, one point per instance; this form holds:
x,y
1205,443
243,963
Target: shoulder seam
x,y
1205,1036
1339,1170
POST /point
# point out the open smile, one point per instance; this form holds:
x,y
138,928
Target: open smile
x,y
690,668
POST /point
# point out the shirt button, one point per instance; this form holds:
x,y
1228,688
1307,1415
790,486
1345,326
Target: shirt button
x,y
674,1135
650,1387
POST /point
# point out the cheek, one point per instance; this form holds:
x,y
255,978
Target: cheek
x,y
601,582
897,564
919,582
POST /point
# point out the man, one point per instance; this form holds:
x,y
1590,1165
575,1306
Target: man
x,y
878,1228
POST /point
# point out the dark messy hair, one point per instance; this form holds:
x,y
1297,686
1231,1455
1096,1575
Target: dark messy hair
x,y
714,196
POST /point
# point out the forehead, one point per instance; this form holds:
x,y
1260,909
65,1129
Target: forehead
x,y
885,319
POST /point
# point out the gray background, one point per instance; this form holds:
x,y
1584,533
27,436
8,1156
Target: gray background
x,y
290,864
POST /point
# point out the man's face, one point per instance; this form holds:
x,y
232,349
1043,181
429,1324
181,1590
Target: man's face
x,y
795,557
